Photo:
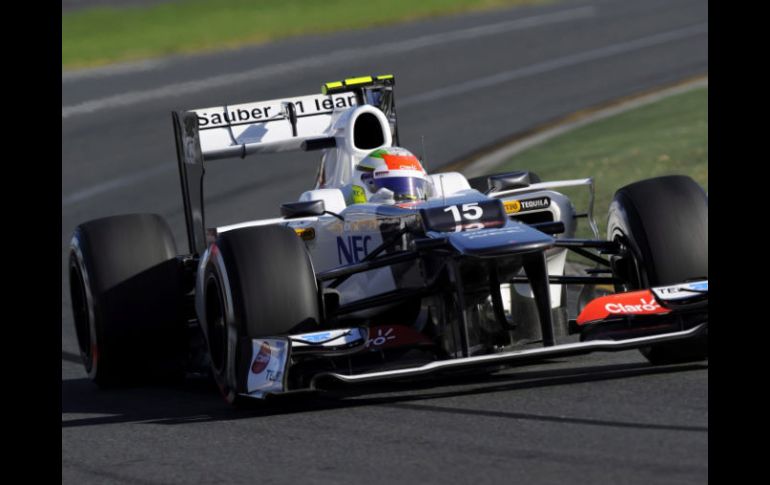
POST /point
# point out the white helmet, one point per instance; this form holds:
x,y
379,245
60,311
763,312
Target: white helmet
x,y
391,173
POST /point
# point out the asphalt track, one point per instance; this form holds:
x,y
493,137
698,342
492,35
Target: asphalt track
x,y
463,84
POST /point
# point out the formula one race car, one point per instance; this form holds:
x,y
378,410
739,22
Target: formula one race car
x,y
381,271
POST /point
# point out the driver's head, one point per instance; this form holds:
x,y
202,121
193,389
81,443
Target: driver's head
x,y
393,170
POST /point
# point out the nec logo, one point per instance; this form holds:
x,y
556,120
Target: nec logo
x,y
352,249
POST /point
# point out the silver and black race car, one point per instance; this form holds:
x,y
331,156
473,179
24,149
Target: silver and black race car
x,y
345,287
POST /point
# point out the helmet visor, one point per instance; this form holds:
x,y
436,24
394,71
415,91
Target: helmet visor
x,y
405,189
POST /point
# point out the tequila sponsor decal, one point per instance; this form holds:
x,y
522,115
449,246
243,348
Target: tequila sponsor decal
x,y
516,206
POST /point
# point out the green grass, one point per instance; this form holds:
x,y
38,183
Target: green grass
x,y
667,137
103,35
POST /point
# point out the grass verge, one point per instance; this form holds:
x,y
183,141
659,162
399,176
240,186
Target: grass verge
x,y
667,137
104,35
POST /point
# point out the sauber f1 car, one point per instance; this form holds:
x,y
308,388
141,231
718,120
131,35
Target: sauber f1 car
x,y
381,271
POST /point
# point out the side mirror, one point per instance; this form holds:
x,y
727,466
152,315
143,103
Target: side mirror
x,y
291,210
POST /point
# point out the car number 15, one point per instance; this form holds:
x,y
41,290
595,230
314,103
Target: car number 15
x,y
470,212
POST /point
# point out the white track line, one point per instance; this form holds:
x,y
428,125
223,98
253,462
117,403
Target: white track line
x,y
488,162
554,64
339,56
117,183
114,70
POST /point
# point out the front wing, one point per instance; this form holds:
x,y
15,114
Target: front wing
x,y
617,322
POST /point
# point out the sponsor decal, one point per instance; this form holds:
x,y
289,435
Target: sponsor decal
x,y
329,104
271,110
261,359
305,233
268,366
352,249
516,206
386,336
702,286
398,162
633,303
359,196
332,338
362,225
512,206
335,226
234,116
649,306
381,337
682,291
316,337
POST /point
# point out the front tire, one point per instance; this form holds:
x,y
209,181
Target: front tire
x,y
255,282
662,224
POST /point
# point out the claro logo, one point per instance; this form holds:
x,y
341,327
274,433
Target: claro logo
x,y
650,306
634,303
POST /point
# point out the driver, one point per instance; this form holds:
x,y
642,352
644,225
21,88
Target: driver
x,y
390,175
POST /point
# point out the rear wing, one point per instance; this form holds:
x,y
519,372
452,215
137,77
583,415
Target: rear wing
x,y
288,124
267,126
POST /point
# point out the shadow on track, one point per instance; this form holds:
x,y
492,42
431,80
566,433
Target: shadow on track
x,y
197,400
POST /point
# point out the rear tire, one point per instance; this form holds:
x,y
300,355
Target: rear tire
x,y
125,288
257,282
663,224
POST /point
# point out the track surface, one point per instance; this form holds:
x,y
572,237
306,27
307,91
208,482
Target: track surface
x,y
603,418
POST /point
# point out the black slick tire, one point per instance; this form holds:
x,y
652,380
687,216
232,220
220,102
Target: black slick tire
x,y
257,282
125,288
663,224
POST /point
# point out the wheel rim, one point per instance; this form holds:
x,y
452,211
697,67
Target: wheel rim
x,y
81,314
627,264
216,325
631,267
